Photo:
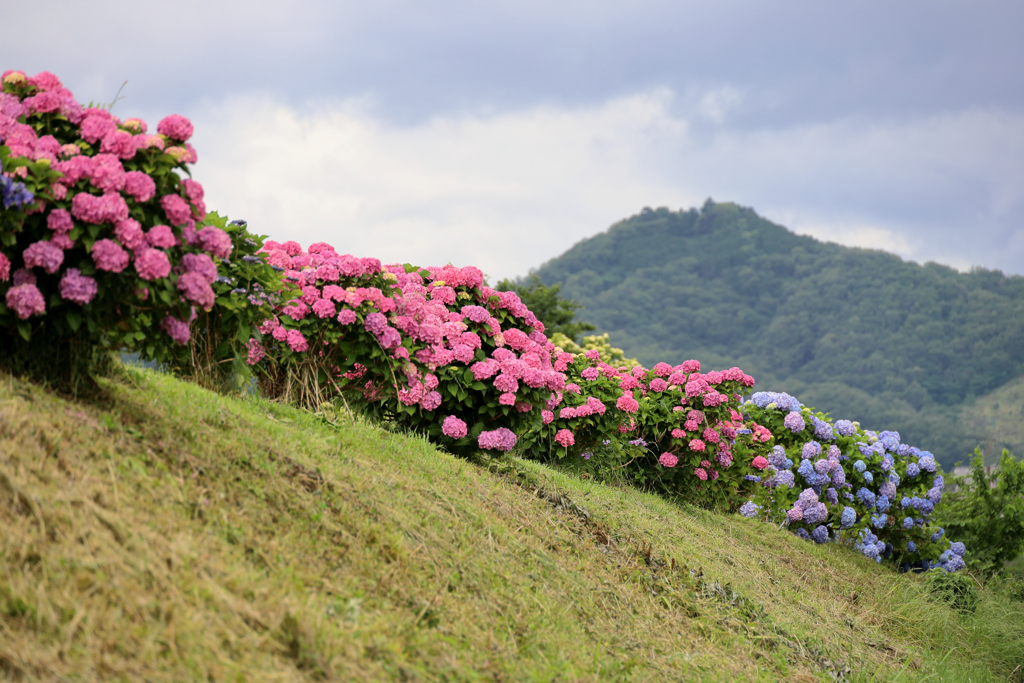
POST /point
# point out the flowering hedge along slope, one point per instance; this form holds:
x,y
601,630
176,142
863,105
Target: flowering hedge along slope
x,y
105,242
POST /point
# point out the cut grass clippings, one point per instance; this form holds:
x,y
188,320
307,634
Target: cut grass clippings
x,y
162,532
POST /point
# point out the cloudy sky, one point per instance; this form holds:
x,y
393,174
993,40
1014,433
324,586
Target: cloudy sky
x,y
498,134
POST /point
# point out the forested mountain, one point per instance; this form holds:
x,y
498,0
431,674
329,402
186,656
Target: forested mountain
x,y
859,333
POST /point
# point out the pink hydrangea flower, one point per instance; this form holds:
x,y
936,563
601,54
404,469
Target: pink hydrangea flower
x,y
668,460
201,264
256,352
701,474
658,384
108,208
77,287
139,185
590,374
176,209
59,220
500,439
697,445
196,289
107,173
152,264
161,236
176,127
627,403
565,438
23,276
176,329
760,462
297,342
453,427
95,127
26,300
120,143
109,256
347,316
5,268
547,417
507,399
324,308
215,241
43,255
678,433
431,400
129,233
711,436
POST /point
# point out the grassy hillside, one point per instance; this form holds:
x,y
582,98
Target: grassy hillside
x,y
855,332
163,533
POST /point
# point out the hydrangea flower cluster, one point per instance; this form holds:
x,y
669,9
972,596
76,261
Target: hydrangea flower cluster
x,y
838,482
100,221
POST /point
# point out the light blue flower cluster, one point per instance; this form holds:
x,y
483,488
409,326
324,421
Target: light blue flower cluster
x,y
806,479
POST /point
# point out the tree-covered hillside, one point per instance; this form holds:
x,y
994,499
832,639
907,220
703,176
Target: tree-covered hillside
x,y
860,333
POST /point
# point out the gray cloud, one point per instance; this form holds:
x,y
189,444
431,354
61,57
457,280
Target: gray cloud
x,y
501,133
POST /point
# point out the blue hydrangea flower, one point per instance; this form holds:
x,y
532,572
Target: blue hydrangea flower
x,y
749,509
839,476
819,535
905,503
911,547
880,521
822,429
955,563
891,440
752,477
882,503
871,436
811,450
777,457
887,463
848,518
806,469
927,462
845,428
802,533
14,193
586,455
939,481
860,466
785,478
958,548
869,478
832,496
866,496
834,453
888,489
815,513
908,523
934,495
894,479
945,556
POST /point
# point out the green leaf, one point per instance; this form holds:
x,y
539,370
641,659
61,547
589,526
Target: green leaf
x,y
25,330
74,319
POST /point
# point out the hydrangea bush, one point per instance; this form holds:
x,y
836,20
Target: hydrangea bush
x,y
435,349
102,243
833,481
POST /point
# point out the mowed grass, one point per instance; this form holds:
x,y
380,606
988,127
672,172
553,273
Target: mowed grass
x,y
165,533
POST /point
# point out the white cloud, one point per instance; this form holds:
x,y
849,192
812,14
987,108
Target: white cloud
x,y
509,190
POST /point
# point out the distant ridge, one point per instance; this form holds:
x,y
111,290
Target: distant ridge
x,y
856,332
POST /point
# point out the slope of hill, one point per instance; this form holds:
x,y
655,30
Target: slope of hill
x,y
164,533
859,333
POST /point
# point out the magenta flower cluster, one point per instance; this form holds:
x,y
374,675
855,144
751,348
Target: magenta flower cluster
x,y
92,201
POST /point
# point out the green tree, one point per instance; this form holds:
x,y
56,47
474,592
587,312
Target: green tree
x,y
986,513
557,313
